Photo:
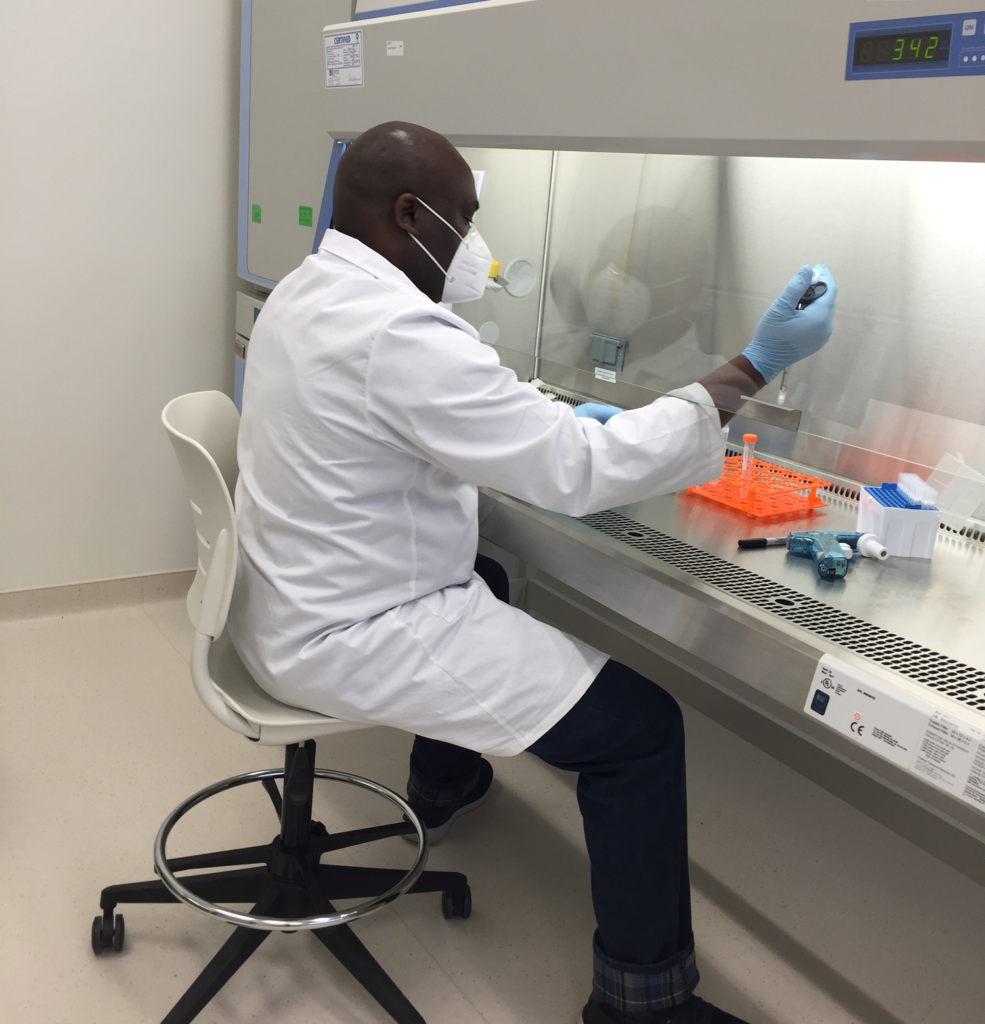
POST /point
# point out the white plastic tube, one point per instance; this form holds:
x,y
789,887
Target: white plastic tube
x,y
870,546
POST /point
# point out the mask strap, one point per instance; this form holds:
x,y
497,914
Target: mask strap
x,y
442,219
433,260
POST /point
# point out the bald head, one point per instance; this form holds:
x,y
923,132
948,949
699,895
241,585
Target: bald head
x,y
381,179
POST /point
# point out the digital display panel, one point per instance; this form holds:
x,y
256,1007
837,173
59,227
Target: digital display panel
x,y
930,47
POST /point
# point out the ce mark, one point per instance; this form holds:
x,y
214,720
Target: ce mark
x,y
856,726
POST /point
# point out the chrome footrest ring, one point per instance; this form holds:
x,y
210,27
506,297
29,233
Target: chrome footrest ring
x,y
287,924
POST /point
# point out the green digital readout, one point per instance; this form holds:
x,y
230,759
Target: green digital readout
x,y
905,48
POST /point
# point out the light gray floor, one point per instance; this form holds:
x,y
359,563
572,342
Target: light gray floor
x,y
805,911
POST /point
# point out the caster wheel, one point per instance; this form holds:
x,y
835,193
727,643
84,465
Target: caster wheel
x,y
118,933
105,938
456,904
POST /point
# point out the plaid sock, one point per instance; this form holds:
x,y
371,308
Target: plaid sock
x,y
632,988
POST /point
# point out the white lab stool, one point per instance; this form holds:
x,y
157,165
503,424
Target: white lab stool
x,y
284,881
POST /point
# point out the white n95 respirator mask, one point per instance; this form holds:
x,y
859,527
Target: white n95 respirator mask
x,y
468,272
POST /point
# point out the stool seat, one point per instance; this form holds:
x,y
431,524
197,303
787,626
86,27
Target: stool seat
x,y
274,723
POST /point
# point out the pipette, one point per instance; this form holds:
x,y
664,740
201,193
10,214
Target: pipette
x,y
816,289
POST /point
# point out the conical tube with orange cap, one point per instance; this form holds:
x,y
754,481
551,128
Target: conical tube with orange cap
x,y
748,453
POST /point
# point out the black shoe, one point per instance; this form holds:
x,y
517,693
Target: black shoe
x,y
437,822
694,1011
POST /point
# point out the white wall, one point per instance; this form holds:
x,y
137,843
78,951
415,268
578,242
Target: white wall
x,y
118,129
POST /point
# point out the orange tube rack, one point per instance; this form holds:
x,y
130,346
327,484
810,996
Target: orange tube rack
x,y
766,492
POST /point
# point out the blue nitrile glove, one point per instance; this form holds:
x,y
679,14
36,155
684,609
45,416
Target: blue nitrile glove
x,y
594,411
787,334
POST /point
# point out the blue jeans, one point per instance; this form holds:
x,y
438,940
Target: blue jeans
x,y
625,738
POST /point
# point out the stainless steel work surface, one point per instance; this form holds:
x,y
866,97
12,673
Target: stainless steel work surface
x,y
672,566
939,604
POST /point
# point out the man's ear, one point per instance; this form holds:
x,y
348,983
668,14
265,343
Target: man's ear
x,y
406,212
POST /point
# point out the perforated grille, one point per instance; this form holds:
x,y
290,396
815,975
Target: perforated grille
x,y
933,669
847,491
972,532
559,396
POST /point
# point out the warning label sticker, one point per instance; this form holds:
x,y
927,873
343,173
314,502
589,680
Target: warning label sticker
x,y
344,60
952,756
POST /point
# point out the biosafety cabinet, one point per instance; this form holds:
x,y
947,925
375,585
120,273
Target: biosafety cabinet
x,y
652,173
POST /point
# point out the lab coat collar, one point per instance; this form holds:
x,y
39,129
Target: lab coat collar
x,y
359,254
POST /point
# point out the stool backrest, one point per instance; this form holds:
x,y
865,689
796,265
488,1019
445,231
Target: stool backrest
x,y
203,427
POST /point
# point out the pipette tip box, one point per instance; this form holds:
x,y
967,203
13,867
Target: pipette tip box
x,y
907,528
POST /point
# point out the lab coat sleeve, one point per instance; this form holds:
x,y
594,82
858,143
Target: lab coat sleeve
x,y
432,388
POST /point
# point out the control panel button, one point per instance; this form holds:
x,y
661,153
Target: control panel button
x,y
970,27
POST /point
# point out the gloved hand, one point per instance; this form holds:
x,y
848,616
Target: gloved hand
x,y
787,334
594,411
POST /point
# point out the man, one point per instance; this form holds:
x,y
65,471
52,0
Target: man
x,y
371,413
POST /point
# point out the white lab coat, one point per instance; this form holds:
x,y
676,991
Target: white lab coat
x,y
370,415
